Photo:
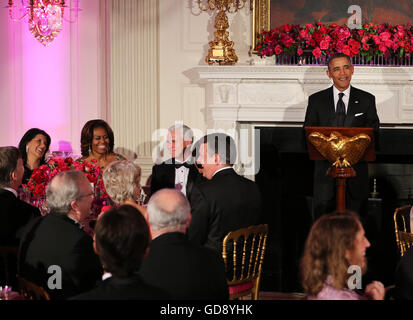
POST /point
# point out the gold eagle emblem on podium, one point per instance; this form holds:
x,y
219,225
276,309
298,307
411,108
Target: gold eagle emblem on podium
x,y
340,150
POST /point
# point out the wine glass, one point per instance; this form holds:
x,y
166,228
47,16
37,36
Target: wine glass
x,y
5,292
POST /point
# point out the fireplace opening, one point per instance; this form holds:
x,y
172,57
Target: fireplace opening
x,y
286,183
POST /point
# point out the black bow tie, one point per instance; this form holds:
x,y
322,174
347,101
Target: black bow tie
x,y
185,164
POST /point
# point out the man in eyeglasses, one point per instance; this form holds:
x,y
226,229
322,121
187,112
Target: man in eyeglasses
x,y
57,241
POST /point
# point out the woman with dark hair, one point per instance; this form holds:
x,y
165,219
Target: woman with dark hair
x,y
96,143
33,147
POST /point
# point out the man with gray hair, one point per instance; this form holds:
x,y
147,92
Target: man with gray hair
x,y
185,270
14,213
178,172
56,253
227,201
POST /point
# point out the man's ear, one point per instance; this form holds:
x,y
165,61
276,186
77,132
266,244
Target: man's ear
x,y
188,222
74,205
217,159
328,73
94,245
13,176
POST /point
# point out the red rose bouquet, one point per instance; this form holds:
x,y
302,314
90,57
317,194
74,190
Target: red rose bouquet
x,y
40,178
394,43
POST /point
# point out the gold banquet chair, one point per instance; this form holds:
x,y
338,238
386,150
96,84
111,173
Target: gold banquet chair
x,y
243,252
31,291
404,239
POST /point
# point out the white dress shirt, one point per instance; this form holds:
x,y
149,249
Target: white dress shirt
x,y
346,97
181,178
11,190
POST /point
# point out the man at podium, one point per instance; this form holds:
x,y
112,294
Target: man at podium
x,y
341,105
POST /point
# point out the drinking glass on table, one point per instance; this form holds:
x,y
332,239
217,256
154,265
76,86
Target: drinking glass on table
x,y
4,292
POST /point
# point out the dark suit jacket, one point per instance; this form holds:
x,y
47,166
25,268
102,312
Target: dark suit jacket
x,y
56,239
163,176
14,216
404,277
130,288
321,113
184,269
225,203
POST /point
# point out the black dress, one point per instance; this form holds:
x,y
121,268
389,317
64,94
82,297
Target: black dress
x,y
27,174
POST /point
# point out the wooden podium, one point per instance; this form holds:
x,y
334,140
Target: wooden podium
x,y
340,173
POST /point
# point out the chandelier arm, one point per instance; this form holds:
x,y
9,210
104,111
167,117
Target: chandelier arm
x,y
232,6
76,15
209,6
15,19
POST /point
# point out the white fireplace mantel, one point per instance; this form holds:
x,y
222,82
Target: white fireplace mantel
x,y
280,93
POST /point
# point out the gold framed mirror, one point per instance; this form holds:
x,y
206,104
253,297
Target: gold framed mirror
x,y
261,20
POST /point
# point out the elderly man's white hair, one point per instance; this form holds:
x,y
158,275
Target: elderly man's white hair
x,y
185,131
168,209
63,189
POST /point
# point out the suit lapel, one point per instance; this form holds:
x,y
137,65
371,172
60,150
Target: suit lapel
x,y
352,107
332,122
170,175
191,179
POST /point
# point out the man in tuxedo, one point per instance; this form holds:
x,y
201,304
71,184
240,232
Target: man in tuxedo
x,y
55,252
178,172
226,201
121,241
14,213
186,270
341,105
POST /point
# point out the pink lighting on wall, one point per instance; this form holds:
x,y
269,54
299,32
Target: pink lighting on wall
x,y
56,88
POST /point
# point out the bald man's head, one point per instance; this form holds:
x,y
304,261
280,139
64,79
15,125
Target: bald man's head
x,y
169,211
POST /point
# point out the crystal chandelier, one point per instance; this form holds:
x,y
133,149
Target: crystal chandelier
x,y
45,17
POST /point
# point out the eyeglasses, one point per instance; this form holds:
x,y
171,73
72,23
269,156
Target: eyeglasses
x,y
87,195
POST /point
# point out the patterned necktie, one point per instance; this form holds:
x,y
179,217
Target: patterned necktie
x,y
340,111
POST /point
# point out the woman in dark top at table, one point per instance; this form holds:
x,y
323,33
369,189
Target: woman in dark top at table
x,y
33,147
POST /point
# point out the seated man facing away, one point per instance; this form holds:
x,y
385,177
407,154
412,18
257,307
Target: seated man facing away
x,y
184,269
55,252
121,241
14,213
335,251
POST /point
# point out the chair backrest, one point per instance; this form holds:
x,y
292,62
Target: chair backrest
x,y
8,264
404,238
243,252
31,291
